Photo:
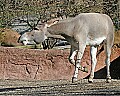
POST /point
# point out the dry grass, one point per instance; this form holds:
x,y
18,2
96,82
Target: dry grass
x,y
8,37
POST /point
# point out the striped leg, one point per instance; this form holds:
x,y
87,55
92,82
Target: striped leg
x,y
77,63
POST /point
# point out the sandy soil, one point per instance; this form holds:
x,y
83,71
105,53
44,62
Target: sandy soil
x,y
59,88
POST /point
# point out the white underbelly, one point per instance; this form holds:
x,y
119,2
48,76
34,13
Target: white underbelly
x,y
96,41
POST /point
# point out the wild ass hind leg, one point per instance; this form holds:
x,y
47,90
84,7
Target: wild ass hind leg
x,y
107,61
108,45
77,63
73,53
93,51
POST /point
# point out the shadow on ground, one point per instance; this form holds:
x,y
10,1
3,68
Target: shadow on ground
x,y
114,70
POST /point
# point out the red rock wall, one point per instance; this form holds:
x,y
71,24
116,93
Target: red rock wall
x,y
34,64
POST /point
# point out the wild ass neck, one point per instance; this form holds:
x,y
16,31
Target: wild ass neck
x,y
61,28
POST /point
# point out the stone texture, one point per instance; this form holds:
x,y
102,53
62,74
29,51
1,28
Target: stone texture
x,y
53,64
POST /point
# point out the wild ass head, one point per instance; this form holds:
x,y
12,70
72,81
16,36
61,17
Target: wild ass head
x,y
36,36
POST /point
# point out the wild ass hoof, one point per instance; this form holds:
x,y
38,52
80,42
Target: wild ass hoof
x,y
74,79
108,79
90,80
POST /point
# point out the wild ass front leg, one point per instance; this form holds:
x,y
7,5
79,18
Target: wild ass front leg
x,y
77,63
73,52
93,51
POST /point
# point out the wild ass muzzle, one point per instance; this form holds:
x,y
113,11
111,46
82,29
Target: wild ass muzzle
x,y
85,29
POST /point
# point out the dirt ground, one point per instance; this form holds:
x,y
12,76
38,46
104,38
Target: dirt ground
x,y
59,88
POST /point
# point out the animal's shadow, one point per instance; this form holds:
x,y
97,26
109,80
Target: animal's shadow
x,y
114,70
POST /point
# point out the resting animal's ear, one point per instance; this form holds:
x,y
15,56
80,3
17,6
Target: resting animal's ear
x,y
50,23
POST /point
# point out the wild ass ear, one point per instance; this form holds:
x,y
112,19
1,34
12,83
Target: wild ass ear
x,y
50,23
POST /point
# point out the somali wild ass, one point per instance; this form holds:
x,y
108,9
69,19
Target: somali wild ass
x,y
85,29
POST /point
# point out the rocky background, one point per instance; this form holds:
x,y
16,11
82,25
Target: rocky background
x,y
53,64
